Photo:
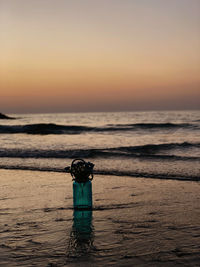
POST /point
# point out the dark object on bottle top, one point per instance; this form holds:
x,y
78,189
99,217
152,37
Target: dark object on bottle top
x,y
81,171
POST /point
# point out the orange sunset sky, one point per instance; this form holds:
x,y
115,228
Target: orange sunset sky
x,y
99,55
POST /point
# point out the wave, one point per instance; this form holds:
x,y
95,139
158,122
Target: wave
x,y
145,151
51,128
165,176
154,125
43,128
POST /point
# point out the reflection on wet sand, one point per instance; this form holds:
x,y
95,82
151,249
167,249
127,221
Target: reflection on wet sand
x,y
82,234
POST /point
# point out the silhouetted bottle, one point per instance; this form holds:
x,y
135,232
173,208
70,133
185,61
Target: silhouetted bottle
x,y
82,174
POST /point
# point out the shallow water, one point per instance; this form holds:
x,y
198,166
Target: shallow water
x,y
134,222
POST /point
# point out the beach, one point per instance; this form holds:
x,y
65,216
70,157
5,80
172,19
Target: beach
x,y
103,89
134,221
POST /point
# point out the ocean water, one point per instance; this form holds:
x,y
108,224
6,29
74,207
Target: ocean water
x,y
161,144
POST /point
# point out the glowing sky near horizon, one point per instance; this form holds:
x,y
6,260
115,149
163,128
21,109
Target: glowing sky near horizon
x,y
99,55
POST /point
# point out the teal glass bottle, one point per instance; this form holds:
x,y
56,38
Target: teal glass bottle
x,y
82,195
82,175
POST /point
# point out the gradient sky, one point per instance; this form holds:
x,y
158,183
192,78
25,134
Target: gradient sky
x,y
99,55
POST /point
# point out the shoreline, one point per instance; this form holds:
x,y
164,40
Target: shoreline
x,y
141,222
102,173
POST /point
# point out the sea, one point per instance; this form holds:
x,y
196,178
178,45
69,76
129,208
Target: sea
x,y
148,144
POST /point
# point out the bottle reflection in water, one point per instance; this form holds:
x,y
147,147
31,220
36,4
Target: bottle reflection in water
x,y
81,236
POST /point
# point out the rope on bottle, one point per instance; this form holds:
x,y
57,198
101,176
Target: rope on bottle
x,y
80,170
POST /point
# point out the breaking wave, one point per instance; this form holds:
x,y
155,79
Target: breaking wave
x,y
51,128
145,151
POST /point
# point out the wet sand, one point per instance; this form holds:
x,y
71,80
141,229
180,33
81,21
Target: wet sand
x,y
135,222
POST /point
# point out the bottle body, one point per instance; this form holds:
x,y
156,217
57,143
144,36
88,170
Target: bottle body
x,y
82,195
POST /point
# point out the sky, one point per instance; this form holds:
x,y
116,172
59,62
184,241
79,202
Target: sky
x,y
99,55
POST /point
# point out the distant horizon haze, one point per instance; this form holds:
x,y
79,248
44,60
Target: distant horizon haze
x,y
98,111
